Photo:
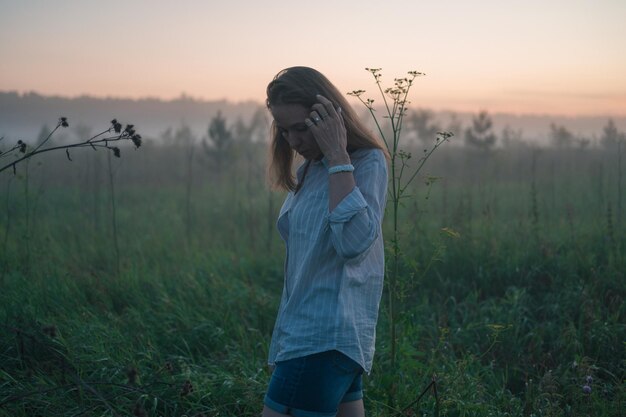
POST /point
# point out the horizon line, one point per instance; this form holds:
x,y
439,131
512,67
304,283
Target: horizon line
x,y
185,96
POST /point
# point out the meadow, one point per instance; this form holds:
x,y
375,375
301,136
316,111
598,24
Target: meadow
x,y
148,285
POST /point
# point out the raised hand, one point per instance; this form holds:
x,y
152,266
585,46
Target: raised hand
x,y
327,126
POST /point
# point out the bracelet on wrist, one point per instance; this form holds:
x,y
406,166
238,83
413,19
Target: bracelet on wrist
x,y
340,168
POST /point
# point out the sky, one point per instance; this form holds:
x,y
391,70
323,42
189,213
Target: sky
x,y
565,57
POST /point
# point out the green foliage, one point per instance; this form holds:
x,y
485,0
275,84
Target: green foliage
x,y
561,137
480,134
219,134
611,136
512,313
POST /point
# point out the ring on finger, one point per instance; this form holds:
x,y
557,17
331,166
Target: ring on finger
x,y
324,115
316,119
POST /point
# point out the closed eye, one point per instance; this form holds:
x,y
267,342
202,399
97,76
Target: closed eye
x,y
299,127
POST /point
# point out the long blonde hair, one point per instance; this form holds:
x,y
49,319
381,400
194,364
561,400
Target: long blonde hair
x,y
300,85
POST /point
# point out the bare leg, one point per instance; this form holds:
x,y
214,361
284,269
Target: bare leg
x,y
268,412
351,409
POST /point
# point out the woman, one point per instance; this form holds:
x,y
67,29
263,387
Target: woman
x,y
324,335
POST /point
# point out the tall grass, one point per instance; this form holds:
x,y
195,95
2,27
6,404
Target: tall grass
x,y
510,322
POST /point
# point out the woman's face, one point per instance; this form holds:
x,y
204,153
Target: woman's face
x,y
289,120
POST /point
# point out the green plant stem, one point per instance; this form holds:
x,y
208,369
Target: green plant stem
x,y
43,142
395,113
421,164
100,143
270,220
27,213
189,181
113,215
8,217
619,183
433,385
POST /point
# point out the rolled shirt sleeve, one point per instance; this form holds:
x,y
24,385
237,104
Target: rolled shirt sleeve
x,y
355,222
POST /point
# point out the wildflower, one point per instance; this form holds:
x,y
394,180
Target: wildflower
x,y
589,379
116,151
445,135
63,121
117,126
356,93
376,73
22,146
128,128
587,389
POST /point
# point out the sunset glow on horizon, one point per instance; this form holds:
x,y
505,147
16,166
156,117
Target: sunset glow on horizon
x,y
557,57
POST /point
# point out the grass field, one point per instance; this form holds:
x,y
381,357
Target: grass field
x,y
512,286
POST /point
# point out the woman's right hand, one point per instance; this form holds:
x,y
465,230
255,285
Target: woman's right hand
x,y
327,126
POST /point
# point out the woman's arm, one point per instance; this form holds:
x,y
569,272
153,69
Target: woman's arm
x,y
326,124
339,184
355,221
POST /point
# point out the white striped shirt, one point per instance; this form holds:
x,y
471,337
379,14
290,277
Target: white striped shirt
x,y
334,265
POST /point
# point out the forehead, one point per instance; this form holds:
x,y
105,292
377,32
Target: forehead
x,y
289,114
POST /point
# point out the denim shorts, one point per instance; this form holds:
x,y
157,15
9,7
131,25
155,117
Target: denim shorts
x,y
314,385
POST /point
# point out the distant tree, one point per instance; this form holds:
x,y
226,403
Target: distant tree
x,y
561,137
512,137
480,135
256,130
219,134
241,131
167,136
219,141
259,125
183,135
247,152
422,123
583,142
610,135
